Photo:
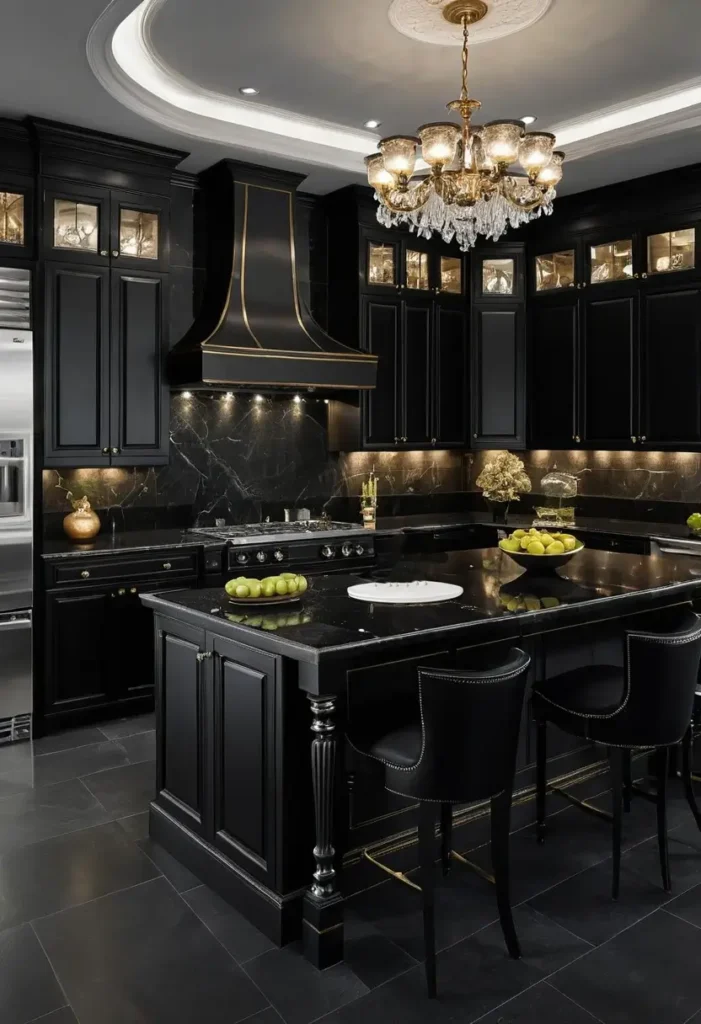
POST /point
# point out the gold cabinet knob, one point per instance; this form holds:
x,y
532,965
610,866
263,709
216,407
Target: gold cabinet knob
x,y
103,252
105,451
121,591
115,252
404,439
396,440
115,451
577,438
579,286
633,438
643,438
167,565
433,440
643,274
85,573
133,590
573,285
636,275
474,435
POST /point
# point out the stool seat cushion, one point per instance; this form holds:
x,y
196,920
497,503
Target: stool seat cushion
x,y
396,746
576,697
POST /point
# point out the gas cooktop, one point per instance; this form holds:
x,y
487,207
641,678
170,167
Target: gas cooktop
x,y
251,533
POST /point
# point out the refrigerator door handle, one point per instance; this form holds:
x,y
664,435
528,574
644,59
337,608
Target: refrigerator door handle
x,y
15,622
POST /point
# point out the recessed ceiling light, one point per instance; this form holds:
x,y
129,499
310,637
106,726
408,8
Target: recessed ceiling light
x,y
248,90
529,118
372,124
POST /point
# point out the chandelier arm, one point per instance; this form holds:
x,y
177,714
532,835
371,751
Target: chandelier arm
x,y
408,200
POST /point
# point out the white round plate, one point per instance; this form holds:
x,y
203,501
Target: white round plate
x,y
418,592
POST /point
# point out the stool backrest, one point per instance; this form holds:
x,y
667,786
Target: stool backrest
x,y
661,678
470,722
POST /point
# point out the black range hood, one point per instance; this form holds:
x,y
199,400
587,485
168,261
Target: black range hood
x,y
253,329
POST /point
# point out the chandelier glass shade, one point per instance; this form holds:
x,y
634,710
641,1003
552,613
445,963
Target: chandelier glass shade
x,y
468,186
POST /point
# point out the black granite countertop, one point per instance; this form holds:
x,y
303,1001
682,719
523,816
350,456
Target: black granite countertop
x,y
328,623
131,540
451,520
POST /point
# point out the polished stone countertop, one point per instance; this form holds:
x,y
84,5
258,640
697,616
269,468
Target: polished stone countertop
x,y
108,543
499,599
427,522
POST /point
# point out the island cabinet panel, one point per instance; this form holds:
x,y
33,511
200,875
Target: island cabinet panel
x,y
244,696
608,370
670,368
497,379
181,707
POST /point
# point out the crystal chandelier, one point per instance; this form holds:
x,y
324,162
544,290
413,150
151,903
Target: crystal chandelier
x,y
469,189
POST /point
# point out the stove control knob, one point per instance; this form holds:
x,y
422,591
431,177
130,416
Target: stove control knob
x,y
360,549
279,555
347,549
327,551
242,558
261,556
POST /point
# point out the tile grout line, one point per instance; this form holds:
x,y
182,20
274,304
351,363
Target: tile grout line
x,y
102,896
115,767
574,1002
54,972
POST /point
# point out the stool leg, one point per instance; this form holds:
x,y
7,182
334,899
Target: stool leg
x,y
616,760
662,760
446,836
627,780
541,755
687,752
427,839
501,814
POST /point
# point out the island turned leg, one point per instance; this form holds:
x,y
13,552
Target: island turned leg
x,y
323,904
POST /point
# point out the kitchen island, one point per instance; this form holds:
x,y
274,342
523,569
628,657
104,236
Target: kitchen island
x,y
239,799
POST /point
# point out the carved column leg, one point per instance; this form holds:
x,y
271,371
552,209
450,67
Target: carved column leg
x,y
323,904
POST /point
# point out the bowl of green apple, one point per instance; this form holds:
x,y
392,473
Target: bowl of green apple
x,y
283,589
540,551
694,523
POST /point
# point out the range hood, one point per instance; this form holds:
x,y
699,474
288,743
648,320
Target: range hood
x,y
253,329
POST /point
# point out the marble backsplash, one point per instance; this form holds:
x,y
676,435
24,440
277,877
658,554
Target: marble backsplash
x,y
238,459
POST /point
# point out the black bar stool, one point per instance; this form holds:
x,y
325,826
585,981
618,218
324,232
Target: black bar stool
x,y
646,705
462,748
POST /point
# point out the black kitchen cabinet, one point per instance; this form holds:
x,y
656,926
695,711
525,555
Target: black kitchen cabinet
x,y
498,375
381,407
553,373
415,425
106,397
609,342
449,370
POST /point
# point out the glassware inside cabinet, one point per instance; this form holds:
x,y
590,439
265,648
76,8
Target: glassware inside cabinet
x,y
451,275
12,218
75,225
417,270
498,277
612,261
554,270
138,234
671,250
381,264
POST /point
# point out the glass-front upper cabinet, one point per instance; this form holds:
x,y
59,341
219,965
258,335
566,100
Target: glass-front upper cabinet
x,y
12,218
416,270
16,222
554,270
76,224
382,264
498,276
139,231
671,251
611,261
450,275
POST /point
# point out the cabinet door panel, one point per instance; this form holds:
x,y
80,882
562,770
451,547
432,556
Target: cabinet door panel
x,y
139,231
553,374
181,710
671,369
77,649
77,365
450,378
244,755
381,321
416,370
608,367
497,377
140,396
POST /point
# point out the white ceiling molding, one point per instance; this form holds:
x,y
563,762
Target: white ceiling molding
x,y
123,60
425,22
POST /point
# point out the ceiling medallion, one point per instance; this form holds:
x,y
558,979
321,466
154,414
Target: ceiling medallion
x,y
424,20
469,189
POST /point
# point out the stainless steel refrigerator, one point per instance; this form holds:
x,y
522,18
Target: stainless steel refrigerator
x,y
16,506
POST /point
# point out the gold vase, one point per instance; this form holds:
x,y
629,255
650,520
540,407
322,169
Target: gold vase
x,y
83,523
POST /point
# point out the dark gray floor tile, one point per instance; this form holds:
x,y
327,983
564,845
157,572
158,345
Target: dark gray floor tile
x,y
237,935
180,877
464,903
297,990
135,825
142,954
648,974
28,986
684,859
47,812
687,906
269,1016
371,955
67,739
62,1016
125,790
541,1004
128,726
545,945
67,870
584,905
69,764
141,747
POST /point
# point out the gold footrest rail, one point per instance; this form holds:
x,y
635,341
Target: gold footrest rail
x,y
405,880
473,867
583,804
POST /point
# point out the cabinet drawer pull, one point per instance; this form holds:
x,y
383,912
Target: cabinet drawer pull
x,y
167,565
85,573
203,655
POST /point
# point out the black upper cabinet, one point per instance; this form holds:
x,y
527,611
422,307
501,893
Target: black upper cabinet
x,y
139,231
498,376
16,216
381,319
416,373
106,400
449,371
553,372
608,365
